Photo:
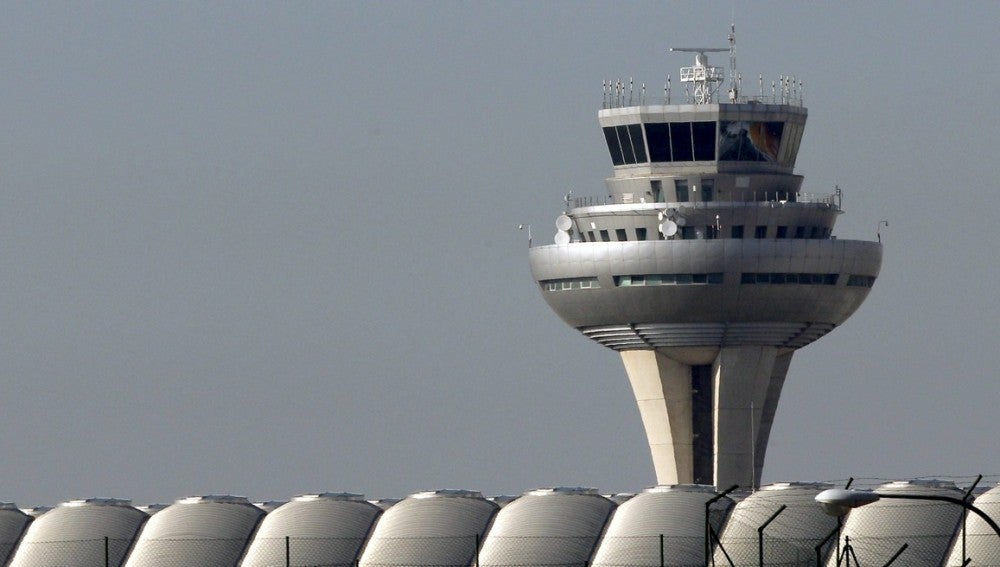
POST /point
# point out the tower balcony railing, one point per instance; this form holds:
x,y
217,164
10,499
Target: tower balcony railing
x,y
757,198
705,82
626,98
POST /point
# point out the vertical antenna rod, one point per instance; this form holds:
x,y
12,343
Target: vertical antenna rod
x,y
734,90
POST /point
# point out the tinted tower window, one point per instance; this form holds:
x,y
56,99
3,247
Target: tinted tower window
x,y
704,140
638,146
626,142
680,133
658,137
613,147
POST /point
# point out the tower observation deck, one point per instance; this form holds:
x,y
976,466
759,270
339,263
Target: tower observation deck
x,y
704,265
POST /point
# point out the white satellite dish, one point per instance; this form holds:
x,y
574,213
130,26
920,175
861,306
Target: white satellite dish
x,y
562,238
659,216
563,222
668,228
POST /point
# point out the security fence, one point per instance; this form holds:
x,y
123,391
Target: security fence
x,y
983,550
299,551
96,552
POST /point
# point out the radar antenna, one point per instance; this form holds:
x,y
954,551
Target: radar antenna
x,y
706,78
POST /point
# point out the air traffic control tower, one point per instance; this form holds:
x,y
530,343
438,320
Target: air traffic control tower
x,y
704,264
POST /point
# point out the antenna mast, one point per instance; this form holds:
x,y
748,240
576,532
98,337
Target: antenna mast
x,y
734,89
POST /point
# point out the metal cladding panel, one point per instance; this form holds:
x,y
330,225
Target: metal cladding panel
x,y
73,534
429,529
677,513
321,531
13,524
981,543
879,530
790,539
728,302
209,532
547,528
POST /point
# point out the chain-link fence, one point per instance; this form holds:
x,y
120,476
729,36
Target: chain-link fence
x,y
189,552
773,551
302,552
652,550
89,552
981,550
421,551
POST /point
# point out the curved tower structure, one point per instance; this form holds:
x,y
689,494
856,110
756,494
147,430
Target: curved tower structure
x,y
704,265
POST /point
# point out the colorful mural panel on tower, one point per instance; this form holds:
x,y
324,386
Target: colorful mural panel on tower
x,y
750,141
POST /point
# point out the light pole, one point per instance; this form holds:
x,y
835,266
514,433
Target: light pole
x,y
526,226
839,501
878,228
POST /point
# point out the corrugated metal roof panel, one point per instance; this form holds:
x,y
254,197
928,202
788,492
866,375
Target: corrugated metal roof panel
x,y
547,527
13,524
791,538
675,512
981,542
208,531
927,527
323,529
430,528
73,534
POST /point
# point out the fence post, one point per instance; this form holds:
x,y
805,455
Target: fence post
x,y
661,551
900,552
288,551
107,552
965,514
760,535
477,549
709,531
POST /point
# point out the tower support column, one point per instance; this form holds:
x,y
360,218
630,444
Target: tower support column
x,y
747,382
778,373
662,389
744,384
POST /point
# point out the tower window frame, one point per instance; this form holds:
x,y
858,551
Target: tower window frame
x,y
707,190
681,194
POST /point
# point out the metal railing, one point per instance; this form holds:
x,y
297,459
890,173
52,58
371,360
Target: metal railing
x,y
625,97
756,198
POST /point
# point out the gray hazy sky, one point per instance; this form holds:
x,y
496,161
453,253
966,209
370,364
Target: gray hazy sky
x,y
271,248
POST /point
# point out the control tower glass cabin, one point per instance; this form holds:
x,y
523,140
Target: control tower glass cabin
x,y
705,266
